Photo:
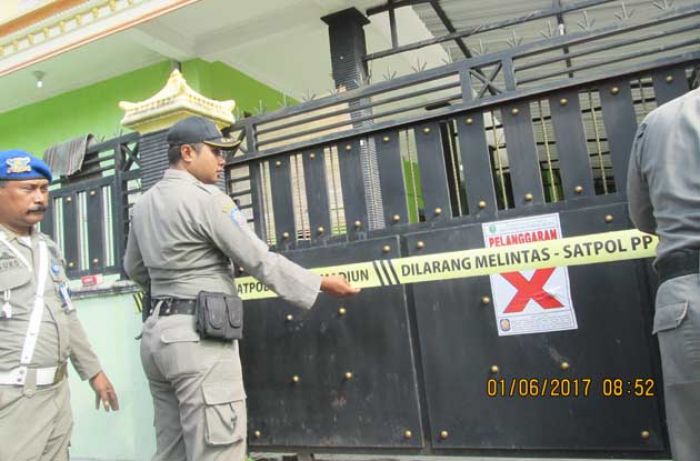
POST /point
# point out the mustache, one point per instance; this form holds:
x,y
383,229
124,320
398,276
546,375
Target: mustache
x,y
38,209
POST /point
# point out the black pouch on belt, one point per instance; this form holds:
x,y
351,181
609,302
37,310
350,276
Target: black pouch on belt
x,y
219,316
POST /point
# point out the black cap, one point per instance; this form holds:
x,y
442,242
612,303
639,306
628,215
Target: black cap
x,y
198,129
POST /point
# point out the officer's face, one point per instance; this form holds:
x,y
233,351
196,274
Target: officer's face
x,y
207,164
23,203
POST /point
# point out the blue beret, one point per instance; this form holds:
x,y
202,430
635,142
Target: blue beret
x,y
18,165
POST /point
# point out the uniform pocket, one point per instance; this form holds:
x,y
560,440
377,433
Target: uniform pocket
x,y
178,335
180,351
670,316
224,413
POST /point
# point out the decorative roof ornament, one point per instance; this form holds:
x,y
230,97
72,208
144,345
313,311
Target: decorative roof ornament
x,y
176,101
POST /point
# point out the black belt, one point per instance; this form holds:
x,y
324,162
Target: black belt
x,y
677,264
172,306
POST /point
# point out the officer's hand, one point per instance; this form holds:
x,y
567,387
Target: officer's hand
x,y
104,392
336,285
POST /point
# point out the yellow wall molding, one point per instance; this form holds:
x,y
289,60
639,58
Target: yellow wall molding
x,y
76,27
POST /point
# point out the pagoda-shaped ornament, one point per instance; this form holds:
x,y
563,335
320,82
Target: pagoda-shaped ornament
x,y
176,101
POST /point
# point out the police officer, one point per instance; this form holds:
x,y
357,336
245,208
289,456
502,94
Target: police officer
x,y
184,234
664,198
39,329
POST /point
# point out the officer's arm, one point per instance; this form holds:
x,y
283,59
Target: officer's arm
x,y
640,207
88,366
133,262
82,356
289,280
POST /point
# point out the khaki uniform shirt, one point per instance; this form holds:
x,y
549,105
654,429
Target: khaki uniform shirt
x,y
61,335
663,186
184,234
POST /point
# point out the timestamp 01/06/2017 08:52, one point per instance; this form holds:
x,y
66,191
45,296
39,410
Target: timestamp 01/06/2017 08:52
x,y
607,387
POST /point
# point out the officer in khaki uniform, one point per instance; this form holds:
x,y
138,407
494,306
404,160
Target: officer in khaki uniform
x,y
184,234
663,189
39,329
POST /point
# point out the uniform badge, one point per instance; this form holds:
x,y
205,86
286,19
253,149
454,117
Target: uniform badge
x,y
228,207
237,217
7,262
18,165
67,302
55,269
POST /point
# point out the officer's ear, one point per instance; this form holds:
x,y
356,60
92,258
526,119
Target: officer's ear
x,y
187,153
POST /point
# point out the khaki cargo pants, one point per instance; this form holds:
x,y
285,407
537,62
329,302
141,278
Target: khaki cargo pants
x,y
35,423
677,324
197,389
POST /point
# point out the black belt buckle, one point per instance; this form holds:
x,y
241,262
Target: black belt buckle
x,y
172,306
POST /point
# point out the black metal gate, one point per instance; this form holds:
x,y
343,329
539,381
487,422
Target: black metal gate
x,y
408,368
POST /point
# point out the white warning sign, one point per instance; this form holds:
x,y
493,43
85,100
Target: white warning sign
x,y
532,301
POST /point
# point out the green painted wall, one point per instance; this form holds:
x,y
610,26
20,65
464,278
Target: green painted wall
x,y
219,81
94,109
112,323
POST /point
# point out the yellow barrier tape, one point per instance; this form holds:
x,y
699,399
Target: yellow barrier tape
x,y
572,251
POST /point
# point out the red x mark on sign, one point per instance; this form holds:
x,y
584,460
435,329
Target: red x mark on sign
x,y
530,289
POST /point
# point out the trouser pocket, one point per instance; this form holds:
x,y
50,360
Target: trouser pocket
x,y
224,413
678,330
669,317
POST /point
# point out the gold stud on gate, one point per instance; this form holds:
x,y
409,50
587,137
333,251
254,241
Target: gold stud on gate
x,y
485,300
420,244
320,230
578,189
285,235
482,204
609,218
396,218
257,434
614,90
289,317
342,311
426,130
278,163
312,156
407,434
645,435
96,261
348,375
528,197
71,264
564,366
515,111
386,139
563,101
92,193
469,121
438,211
444,435
495,369
296,379
669,79
386,248
348,147
69,199
358,224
